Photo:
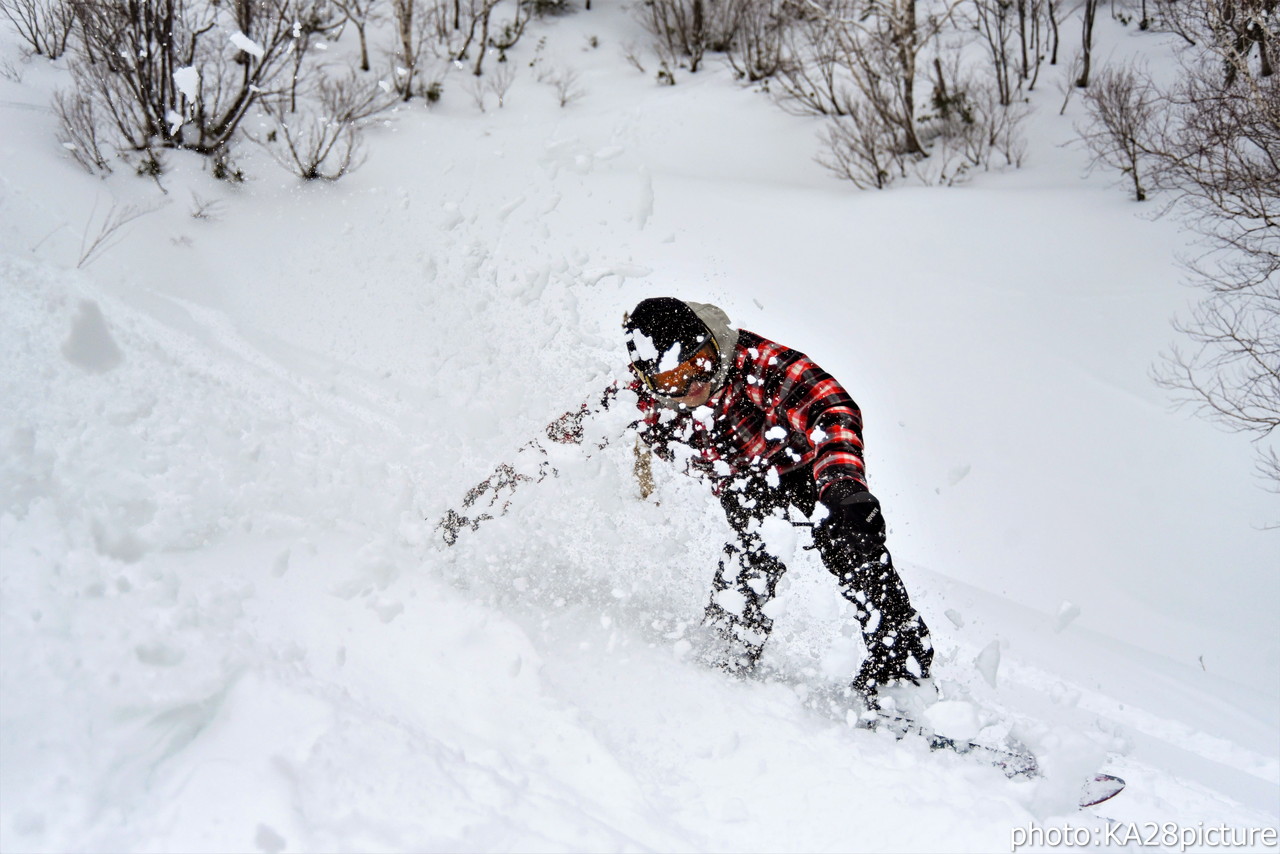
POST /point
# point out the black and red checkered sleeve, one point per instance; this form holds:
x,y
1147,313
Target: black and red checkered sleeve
x,y
813,403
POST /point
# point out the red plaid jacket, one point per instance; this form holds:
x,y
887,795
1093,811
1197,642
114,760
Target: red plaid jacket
x,y
777,408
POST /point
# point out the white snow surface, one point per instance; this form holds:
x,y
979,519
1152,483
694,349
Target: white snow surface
x,y
228,624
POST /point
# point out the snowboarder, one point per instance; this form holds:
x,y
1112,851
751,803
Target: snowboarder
x,y
773,431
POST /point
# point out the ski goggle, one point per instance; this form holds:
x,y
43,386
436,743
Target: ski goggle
x,y
676,382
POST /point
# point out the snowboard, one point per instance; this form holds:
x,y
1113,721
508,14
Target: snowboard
x,y
1014,760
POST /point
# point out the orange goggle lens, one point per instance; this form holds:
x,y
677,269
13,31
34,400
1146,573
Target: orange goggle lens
x,y
677,381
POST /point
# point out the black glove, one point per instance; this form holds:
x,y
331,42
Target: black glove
x,y
854,518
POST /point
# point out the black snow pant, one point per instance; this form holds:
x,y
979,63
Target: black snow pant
x,y
896,638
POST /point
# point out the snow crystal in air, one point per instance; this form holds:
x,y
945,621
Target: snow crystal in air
x,y
670,359
90,345
780,537
644,346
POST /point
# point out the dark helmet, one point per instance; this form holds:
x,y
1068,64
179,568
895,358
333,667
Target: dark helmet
x,y
662,332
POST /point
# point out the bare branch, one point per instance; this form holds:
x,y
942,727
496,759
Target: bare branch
x,y
98,236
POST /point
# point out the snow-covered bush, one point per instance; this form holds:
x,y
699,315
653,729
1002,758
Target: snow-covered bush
x,y
177,73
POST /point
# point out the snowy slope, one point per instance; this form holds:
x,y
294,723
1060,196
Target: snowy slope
x,y
226,622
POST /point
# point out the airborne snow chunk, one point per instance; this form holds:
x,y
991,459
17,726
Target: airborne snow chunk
x,y
247,44
955,719
187,79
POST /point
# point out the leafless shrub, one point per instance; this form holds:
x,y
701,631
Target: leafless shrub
x,y
1224,157
994,138
477,88
812,76
687,29
1124,107
632,55
1219,149
1232,372
510,32
667,64
459,27
861,147
194,84
209,210
80,134
45,25
321,140
1067,84
313,146
1231,29
862,66
970,130
11,71
1213,140
846,52
499,82
415,25
551,8
433,89
995,22
313,18
350,99
568,86
761,28
100,235
882,51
